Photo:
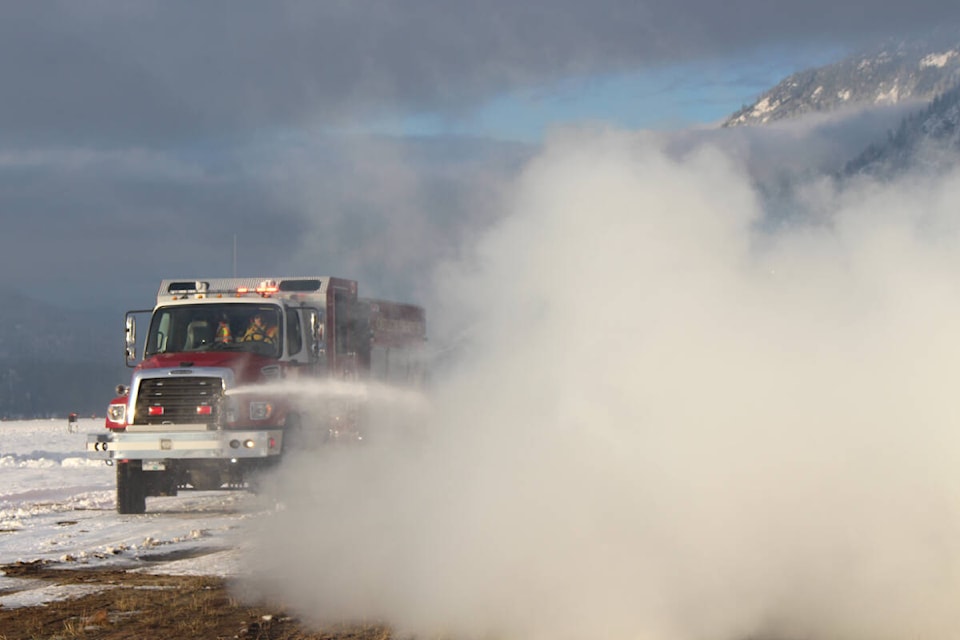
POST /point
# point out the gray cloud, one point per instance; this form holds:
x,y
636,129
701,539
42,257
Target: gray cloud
x,y
94,228
164,71
135,142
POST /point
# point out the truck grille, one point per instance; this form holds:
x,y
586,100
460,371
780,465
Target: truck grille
x,y
177,400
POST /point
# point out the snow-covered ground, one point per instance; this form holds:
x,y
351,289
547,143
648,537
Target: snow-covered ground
x,y
56,506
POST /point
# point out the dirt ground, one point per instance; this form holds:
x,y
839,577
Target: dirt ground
x,y
146,607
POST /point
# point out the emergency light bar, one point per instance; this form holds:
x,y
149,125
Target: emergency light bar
x,y
264,288
183,289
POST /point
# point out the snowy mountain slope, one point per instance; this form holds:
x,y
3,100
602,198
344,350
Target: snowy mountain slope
x,y
928,140
906,70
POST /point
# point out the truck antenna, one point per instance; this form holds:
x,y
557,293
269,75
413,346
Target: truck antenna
x,y
234,255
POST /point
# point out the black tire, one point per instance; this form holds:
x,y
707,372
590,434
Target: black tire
x,y
131,488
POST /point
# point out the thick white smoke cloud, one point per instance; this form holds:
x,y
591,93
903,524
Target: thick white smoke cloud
x,y
666,421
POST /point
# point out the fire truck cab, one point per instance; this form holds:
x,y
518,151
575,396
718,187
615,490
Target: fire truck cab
x,y
214,398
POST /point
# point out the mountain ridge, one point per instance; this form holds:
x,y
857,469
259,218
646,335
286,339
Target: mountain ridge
x,y
917,69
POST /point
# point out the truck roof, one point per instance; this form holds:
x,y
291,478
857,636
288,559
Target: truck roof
x,y
173,289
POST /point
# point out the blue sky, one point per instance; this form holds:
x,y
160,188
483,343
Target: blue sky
x,y
667,97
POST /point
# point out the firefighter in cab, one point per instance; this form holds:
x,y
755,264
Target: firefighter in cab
x,y
223,335
260,331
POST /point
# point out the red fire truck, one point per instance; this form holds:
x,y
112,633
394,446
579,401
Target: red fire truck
x,y
217,391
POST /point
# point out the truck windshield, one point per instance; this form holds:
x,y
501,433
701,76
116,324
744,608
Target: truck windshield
x,y
247,327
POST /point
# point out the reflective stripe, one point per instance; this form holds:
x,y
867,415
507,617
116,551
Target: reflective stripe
x,y
166,444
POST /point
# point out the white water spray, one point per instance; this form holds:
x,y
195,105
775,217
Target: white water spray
x,y
670,424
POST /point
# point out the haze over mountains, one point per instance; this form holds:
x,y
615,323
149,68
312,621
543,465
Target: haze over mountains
x,y
905,95
927,141
55,360
921,76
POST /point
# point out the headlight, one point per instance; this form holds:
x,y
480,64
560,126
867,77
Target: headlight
x,y
260,410
117,412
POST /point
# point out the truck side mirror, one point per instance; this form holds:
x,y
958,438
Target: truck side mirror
x,y
130,340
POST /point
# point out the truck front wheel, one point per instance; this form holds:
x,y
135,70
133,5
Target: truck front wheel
x,y
131,487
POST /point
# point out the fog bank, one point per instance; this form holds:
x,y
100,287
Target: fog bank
x,y
660,419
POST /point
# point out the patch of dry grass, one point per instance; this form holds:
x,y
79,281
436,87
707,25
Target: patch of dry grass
x,y
133,605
